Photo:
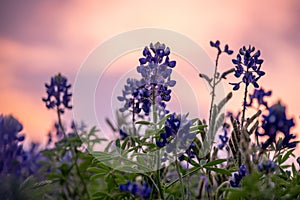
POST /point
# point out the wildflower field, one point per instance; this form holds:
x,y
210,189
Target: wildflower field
x,y
160,154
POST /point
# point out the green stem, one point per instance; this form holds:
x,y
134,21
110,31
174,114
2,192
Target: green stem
x,y
74,151
245,100
154,114
188,183
60,123
133,120
180,177
214,87
79,174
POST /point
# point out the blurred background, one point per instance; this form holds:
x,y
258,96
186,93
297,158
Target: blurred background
x,y
38,39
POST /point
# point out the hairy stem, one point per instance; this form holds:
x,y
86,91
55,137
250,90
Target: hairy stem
x,y
180,177
133,120
79,174
214,87
60,123
245,100
154,114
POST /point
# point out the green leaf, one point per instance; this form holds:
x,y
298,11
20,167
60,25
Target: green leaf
x,y
224,74
95,170
219,122
98,175
219,170
294,170
205,77
164,119
214,162
198,128
125,143
127,168
286,156
250,120
192,162
141,161
224,101
118,143
144,122
108,146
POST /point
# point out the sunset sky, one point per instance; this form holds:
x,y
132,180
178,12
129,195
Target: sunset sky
x,y
41,38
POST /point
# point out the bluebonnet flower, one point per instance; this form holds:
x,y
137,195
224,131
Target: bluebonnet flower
x,y
224,138
217,46
275,122
266,166
14,159
58,93
238,176
139,190
156,67
140,98
11,149
172,126
190,153
131,90
175,127
153,87
248,66
259,94
177,139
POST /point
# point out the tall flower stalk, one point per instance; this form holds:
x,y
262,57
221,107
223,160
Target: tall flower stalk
x,y
58,98
248,66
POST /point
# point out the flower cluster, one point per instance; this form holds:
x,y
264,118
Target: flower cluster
x,y
259,94
224,138
275,122
266,166
190,153
175,127
172,126
139,190
153,88
217,46
58,93
14,159
238,176
11,152
140,98
156,67
248,66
